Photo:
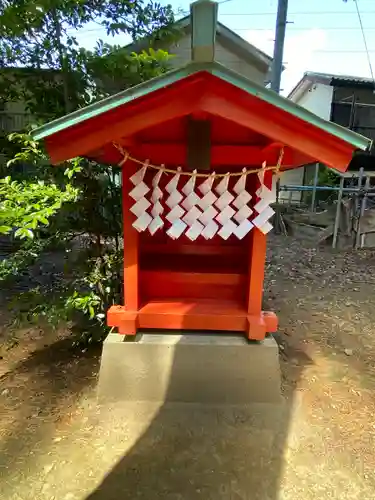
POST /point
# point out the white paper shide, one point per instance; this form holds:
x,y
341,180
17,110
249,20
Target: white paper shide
x,y
198,208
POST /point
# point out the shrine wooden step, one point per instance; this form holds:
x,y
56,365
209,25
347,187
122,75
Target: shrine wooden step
x,y
201,314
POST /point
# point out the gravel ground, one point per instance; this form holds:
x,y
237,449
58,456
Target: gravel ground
x,y
56,443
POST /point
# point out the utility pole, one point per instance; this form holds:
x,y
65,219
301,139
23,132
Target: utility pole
x,y
276,70
277,63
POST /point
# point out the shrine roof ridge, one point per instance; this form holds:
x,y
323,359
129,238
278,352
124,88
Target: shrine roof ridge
x,y
218,70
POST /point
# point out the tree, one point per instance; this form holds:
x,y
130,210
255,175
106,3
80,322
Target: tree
x,y
41,35
45,206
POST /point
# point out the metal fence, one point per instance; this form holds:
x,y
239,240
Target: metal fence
x,y
358,187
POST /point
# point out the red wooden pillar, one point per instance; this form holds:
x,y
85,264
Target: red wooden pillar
x,y
126,317
259,323
131,239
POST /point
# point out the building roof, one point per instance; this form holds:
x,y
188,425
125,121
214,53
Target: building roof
x,y
311,77
228,38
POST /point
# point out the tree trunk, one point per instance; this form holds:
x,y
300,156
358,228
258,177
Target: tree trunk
x,y
64,63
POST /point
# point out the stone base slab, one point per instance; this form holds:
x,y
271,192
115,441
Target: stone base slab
x,y
189,368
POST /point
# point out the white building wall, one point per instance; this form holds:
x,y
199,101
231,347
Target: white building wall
x,y
182,55
318,100
291,178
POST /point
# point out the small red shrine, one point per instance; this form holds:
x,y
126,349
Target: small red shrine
x,y
198,148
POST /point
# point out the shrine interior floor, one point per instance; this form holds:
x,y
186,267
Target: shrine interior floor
x,y
57,444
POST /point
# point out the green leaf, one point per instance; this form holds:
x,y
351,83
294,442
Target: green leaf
x,y
24,233
92,312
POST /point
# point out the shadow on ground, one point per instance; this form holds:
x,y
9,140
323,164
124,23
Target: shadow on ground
x,y
213,453
203,452
41,391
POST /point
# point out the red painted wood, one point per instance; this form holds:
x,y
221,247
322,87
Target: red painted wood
x,y
172,131
194,278
205,93
194,315
167,284
131,241
125,321
194,248
222,156
257,253
272,323
188,263
223,132
251,112
257,259
124,121
209,315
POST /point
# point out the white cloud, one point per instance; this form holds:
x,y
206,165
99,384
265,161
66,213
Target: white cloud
x,y
263,40
300,55
299,51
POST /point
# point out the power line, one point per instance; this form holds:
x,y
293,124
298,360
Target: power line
x,y
337,51
364,40
250,28
333,28
307,13
327,51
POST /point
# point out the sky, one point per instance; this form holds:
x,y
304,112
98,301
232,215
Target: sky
x,y
322,35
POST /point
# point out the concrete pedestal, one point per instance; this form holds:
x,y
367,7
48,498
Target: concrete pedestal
x,y
189,368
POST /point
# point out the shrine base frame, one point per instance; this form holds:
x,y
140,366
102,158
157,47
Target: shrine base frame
x,y
199,316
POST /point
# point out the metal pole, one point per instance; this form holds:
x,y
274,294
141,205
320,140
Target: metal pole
x,y
278,51
316,176
277,190
293,188
363,208
359,205
352,112
338,209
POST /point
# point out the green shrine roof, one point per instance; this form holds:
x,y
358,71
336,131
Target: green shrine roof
x,y
218,70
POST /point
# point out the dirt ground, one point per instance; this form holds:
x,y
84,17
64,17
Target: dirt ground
x,y
56,443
